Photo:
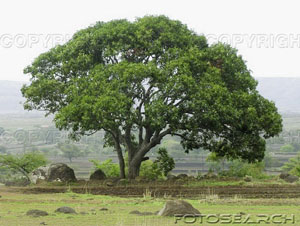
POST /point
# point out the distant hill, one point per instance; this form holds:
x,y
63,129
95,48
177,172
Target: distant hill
x,y
285,92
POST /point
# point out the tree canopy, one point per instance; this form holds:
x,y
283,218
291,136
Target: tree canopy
x,y
140,81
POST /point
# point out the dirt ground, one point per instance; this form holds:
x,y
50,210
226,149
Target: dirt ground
x,y
250,191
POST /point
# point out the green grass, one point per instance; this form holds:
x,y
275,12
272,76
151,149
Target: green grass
x,y
13,207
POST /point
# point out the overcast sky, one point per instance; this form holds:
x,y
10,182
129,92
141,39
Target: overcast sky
x,y
266,33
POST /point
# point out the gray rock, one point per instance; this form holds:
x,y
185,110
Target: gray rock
x,y
39,174
291,179
135,212
103,209
36,213
54,172
247,178
182,176
83,213
177,207
171,177
98,175
61,172
210,176
66,210
284,175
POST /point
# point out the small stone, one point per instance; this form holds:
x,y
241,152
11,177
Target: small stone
x,y
135,212
247,178
83,213
146,213
109,184
103,209
66,210
36,213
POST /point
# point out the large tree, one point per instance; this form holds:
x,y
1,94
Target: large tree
x,y
140,81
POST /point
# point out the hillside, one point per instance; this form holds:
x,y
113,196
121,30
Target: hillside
x,y
285,92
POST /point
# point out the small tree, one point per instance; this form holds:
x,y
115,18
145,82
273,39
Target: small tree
x,y
293,165
108,167
164,161
216,163
23,164
70,151
287,148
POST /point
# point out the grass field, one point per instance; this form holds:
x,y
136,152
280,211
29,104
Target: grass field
x,y
14,205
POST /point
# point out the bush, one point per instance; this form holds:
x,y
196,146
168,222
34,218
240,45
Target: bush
x,y
23,164
108,167
150,170
164,162
238,168
293,166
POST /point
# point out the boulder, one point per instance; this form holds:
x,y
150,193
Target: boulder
x,y
39,174
291,179
98,175
284,175
171,177
66,210
177,207
247,178
103,209
135,212
61,172
54,172
36,213
210,175
182,176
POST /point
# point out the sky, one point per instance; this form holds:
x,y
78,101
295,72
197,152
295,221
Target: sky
x,y
266,33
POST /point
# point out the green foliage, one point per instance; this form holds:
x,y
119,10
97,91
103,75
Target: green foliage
x,y
108,167
293,166
155,75
215,162
70,151
23,164
164,162
238,168
150,170
287,148
159,168
270,161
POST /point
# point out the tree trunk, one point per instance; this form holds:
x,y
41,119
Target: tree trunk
x,y
122,167
121,161
134,169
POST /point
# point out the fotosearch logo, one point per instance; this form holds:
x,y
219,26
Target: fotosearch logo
x,y
32,40
235,218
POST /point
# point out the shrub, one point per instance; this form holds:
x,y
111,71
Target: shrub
x,y
23,164
238,168
293,166
108,167
164,162
150,170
